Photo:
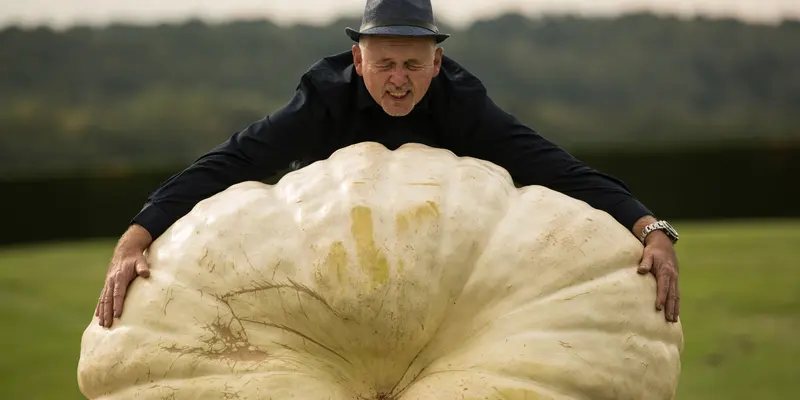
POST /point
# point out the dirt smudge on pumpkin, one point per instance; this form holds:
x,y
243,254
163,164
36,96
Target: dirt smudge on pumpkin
x,y
223,343
230,393
405,220
261,287
370,257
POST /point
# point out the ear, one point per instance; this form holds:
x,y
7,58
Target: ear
x,y
437,61
358,60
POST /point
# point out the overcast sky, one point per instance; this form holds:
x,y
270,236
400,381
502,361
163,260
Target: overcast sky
x,y
68,12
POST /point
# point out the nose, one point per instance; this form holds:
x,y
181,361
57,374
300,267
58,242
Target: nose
x,y
398,77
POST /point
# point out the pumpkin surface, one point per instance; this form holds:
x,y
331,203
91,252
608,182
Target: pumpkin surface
x,y
377,274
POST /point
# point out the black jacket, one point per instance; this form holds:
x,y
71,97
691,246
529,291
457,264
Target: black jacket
x,y
331,109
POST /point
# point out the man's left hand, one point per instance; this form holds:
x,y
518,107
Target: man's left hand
x,y
660,259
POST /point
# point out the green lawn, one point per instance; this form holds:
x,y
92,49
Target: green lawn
x,y
740,308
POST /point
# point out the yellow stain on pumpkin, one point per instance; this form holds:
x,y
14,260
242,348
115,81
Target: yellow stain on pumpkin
x,y
370,258
416,215
336,261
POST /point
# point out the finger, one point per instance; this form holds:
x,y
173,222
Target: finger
x,y
142,269
108,303
676,299
97,307
663,288
101,305
120,287
670,304
647,262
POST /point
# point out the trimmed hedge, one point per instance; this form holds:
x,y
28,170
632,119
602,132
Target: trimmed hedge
x,y
742,181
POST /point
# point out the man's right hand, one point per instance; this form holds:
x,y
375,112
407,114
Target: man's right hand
x,y
127,262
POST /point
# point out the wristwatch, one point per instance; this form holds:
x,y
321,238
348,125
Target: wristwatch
x,y
660,226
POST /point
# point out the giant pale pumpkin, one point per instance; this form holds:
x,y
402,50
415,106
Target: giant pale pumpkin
x,y
410,274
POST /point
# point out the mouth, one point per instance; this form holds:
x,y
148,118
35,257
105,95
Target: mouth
x,y
399,94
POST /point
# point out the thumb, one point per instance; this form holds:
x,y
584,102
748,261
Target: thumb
x,y
647,262
142,269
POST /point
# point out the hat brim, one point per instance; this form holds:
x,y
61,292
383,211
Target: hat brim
x,y
396,30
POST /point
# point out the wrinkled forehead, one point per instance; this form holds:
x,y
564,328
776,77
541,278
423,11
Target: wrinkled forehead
x,y
398,48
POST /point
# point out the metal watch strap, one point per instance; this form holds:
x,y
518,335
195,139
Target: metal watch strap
x,y
659,226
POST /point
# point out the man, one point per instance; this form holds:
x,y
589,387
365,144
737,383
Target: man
x,y
394,86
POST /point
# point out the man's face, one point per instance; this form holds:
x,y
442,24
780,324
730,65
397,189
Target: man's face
x,y
396,70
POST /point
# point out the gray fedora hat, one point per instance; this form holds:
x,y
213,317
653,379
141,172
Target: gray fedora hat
x,y
398,18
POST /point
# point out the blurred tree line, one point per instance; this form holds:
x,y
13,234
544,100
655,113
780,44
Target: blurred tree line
x,y
123,96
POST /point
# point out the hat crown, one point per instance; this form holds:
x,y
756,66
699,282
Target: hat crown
x,y
398,12
411,18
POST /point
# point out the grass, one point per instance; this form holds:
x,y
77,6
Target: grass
x,y
740,286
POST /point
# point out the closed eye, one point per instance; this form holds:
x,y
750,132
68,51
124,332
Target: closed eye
x,y
410,65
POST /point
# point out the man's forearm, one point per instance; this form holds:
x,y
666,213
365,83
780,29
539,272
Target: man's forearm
x,y
136,237
246,156
638,227
254,153
531,159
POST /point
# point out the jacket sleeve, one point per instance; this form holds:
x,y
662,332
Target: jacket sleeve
x,y
499,137
260,150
